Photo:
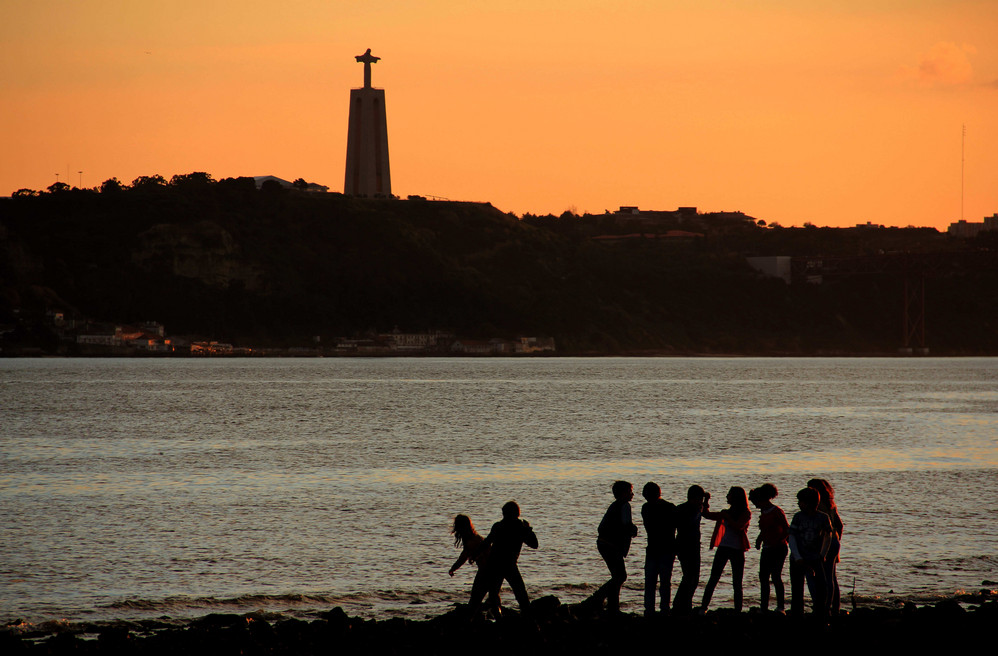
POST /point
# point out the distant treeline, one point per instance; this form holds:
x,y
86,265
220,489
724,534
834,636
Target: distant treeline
x,y
277,267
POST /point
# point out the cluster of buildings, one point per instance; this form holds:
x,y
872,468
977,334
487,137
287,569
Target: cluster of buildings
x,y
146,338
630,222
966,229
442,343
96,337
150,338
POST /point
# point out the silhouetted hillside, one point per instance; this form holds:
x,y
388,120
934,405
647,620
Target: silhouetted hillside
x,y
277,267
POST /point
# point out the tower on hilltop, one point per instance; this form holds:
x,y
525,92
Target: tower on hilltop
x,y
368,173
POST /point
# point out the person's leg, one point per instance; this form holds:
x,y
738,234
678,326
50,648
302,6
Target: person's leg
x,y
494,603
814,573
831,577
668,563
820,589
796,587
832,585
485,583
689,562
737,558
652,574
720,560
512,576
765,571
618,574
600,595
779,557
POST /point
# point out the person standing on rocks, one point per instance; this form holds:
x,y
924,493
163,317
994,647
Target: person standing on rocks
x,y
658,517
613,543
810,536
773,532
504,543
827,506
688,517
731,541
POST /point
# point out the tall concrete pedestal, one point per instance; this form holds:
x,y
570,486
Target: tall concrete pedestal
x,y
368,172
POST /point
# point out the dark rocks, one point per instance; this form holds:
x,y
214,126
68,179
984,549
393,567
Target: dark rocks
x,y
548,626
545,606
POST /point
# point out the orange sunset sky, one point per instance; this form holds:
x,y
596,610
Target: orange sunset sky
x,y
835,113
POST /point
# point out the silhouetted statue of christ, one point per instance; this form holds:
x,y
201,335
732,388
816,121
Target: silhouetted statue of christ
x,y
368,59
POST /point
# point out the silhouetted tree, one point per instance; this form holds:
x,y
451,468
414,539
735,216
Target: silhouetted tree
x,y
197,179
300,184
271,187
58,187
242,184
149,182
24,193
111,186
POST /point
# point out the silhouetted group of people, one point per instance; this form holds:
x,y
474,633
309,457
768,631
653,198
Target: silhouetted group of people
x,y
811,539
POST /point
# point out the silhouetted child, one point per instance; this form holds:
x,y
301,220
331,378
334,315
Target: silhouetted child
x,y
827,505
658,517
613,543
810,536
504,542
473,550
687,517
773,532
731,540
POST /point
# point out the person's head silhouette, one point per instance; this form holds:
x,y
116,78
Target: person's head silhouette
x,y
825,491
808,499
763,495
462,529
736,498
622,491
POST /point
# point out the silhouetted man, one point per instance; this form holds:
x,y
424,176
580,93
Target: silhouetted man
x,y
615,533
658,517
505,541
688,547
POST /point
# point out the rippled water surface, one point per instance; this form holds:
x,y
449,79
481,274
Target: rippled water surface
x,y
134,487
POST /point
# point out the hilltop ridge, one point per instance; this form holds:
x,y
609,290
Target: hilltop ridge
x,y
280,267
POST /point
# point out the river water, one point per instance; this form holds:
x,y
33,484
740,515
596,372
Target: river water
x,y
133,488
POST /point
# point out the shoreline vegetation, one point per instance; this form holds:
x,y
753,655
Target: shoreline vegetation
x,y
282,270
549,627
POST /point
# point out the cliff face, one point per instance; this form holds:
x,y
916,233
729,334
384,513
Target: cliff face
x,y
203,251
271,268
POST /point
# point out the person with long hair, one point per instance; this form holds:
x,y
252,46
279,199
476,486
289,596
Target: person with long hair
x,y
731,541
473,550
827,506
773,533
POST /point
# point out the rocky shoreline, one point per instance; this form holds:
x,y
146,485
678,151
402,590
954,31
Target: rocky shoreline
x,y
549,627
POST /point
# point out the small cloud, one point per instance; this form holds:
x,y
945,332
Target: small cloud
x,y
945,64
